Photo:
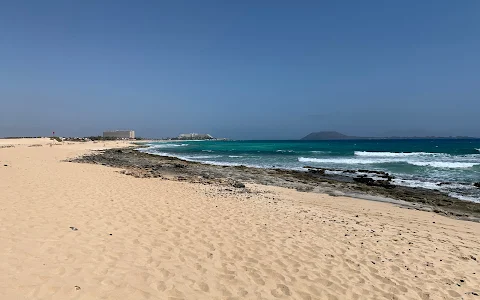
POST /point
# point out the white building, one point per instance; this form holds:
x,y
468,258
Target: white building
x,y
194,136
119,134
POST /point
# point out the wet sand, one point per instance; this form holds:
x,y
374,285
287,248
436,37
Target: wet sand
x,y
89,231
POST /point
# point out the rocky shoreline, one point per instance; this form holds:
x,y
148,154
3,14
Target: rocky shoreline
x,y
371,185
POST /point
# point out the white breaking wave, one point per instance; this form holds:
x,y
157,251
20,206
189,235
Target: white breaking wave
x,y
444,164
234,156
464,198
283,151
417,183
202,156
394,154
374,160
162,146
435,186
345,160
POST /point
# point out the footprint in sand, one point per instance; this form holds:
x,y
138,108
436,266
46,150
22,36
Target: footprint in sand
x,y
281,290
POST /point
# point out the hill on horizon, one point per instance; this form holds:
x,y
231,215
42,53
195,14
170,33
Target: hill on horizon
x,y
327,135
335,135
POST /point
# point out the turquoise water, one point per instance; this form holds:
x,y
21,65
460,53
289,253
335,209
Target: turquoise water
x,y
416,163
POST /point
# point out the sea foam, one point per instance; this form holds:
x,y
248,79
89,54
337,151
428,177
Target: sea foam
x,y
349,161
394,154
444,164
162,146
375,160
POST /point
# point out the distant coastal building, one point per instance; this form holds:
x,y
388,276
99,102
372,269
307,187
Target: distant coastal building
x,y
194,136
119,134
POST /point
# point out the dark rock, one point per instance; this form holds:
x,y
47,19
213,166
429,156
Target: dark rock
x,y
373,172
370,182
238,185
304,188
317,171
73,228
5,165
208,176
364,180
179,166
477,184
384,183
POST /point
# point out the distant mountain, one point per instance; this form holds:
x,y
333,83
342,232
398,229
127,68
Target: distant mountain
x,y
328,135
334,135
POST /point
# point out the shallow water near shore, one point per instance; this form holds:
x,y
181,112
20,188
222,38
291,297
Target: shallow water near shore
x,y
448,165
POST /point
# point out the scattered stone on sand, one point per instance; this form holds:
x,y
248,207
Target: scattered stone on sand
x,y
77,288
73,228
238,185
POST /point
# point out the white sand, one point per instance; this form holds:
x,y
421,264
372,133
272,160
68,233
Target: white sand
x,y
177,240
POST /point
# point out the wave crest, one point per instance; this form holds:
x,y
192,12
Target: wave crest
x,y
345,160
444,164
393,154
162,146
373,160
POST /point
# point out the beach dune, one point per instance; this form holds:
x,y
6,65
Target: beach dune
x,y
84,231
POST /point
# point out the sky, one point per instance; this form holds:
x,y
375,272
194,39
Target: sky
x,y
240,69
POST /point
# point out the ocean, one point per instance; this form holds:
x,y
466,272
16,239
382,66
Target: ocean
x,y
447,165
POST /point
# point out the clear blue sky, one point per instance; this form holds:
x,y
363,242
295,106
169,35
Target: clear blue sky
x,y
240,69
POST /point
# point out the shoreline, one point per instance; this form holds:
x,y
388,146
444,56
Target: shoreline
x,y
140,164
88,231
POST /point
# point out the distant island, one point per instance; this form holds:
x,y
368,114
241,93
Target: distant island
x,y
334,135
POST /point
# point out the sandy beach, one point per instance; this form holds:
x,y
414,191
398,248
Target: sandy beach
x,y
85,231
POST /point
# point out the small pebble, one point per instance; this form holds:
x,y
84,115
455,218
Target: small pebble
x,y
73,228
